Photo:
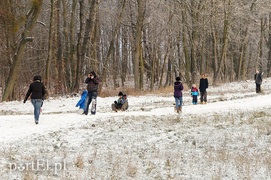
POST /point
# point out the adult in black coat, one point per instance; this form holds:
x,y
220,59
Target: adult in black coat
x,y
37,91
203,85
258,81
92,82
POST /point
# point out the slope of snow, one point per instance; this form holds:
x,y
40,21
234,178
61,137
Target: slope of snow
x,y
229,138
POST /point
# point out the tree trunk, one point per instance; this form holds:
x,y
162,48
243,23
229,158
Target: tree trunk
x,y
185,50
72,49
138,43
225,44
259,61
111,47
242,59
60,64
66,43
84,38
124,63
79,46
50,47
194,42
31,19
269,47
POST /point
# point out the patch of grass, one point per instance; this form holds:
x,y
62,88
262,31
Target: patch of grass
x,y
259,114
80,162
28,175
131,170
130,91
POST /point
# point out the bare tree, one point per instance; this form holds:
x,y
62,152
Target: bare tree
x,y
138,61
31,20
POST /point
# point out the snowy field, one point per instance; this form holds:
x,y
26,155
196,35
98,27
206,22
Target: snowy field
x,y
229,138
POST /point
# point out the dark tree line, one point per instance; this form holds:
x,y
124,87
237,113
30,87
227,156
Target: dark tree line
x,y
140,44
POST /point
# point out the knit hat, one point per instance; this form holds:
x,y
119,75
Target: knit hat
x,y
178,78
120,94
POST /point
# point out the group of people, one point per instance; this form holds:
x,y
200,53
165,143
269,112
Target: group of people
x,y
37,92
178,87
203,85
89,96
120,104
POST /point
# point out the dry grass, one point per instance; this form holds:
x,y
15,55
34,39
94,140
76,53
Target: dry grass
x,y
131,170
215,146
79,162
164,91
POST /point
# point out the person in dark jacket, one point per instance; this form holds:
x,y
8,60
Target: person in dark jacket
x,y
37,91
121,103
178,87
92,82
203,85
258,81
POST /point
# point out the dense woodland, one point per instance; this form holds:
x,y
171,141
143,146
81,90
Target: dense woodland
x,y
146,42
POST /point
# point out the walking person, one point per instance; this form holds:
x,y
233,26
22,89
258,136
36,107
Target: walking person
x,y
92,82
203,85
37,91
258,81
178,87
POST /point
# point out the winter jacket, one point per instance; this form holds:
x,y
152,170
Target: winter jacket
x,y
203,84
37,90
82,102
258,78
120,102
194,91
178,87
93,84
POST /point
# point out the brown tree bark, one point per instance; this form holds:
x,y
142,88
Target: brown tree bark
x,y
31,19
84,38
269,47
111,46
138,43
225,41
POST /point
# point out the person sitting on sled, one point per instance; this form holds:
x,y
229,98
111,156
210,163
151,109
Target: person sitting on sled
x,y
82,102
121,103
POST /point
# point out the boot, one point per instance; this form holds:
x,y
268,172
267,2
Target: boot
x,y
178,110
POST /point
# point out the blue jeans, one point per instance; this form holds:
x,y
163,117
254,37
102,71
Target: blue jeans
x,y
178,101
91,96
37,105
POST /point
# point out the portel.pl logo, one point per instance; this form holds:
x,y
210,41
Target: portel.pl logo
x,y
39,165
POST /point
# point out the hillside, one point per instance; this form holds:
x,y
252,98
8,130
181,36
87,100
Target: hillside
x,y
229,138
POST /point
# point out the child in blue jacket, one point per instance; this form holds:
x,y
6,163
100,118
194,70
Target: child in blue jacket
x,y
82,102
194,94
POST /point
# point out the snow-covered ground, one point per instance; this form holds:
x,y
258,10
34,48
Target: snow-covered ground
x,y
229,138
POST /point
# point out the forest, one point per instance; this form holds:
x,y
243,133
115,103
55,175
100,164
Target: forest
x,y
138,44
